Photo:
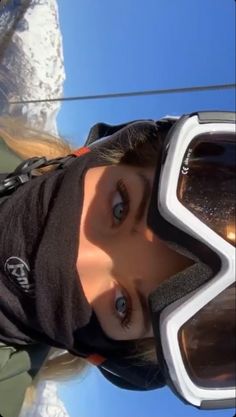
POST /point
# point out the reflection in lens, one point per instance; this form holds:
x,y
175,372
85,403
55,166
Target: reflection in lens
x,y
207,183
230,232
208,343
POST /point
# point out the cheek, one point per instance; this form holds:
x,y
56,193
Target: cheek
x,y
93,266
96,224
95,215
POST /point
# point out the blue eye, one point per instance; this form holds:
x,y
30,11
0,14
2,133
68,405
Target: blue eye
x,y
118,211
123,308
120,204
121,305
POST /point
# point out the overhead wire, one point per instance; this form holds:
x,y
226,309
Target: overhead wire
x,y
128,94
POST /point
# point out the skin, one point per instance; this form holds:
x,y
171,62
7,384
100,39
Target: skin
x,y
120,261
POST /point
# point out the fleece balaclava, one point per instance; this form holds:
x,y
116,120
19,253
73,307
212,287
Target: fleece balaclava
x,y
41,297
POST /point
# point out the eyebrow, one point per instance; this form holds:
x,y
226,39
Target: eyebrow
x,y
145,195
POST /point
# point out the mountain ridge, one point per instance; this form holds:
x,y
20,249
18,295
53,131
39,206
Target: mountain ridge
x,y
31,61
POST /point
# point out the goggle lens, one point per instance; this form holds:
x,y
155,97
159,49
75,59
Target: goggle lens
x,y
208,343
207,182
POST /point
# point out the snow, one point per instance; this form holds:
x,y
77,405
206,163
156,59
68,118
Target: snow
x,y
46,404
32,62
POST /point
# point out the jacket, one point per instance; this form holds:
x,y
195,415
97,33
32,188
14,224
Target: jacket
x,y
18,366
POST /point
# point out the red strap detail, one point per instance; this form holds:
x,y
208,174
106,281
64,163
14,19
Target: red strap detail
x,y
81,151
95,359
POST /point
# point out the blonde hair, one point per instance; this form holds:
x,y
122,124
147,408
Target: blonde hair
x,y
27,142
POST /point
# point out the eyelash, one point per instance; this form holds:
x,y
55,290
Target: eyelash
x,y
126,322
121,188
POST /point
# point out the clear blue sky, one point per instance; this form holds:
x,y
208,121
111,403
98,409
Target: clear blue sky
x,y
133,45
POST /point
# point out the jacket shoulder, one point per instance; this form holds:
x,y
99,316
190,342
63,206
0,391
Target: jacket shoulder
x,y
17,369
8,159
14,380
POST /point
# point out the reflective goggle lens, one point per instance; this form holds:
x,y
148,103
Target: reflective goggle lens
x,y
208,343
207,182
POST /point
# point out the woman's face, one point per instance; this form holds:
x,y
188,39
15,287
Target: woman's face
x,y
120,261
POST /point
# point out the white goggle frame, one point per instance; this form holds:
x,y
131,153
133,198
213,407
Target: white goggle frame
x,y
175,315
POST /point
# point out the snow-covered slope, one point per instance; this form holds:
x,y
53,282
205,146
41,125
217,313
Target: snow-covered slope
x,y
46,404
31,60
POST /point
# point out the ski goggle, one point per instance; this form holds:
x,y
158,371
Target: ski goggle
x,y
193,208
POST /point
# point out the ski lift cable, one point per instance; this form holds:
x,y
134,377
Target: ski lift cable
x,y
129,94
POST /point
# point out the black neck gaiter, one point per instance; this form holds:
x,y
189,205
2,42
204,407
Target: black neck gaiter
x,y
41,298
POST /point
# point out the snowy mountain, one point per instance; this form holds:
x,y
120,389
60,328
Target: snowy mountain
x,y
31,60
46,404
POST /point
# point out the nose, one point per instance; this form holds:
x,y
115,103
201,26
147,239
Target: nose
x,y
148,234
143,230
